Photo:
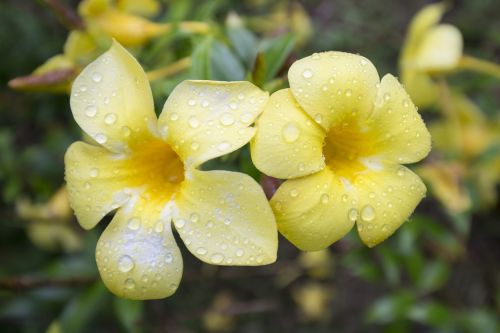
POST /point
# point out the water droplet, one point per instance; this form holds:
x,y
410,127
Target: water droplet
x,y
217,258
195,145
180,223
94,172
352,214
96,77
294,193
318,118
406,103
241,97
125,264
246,118
290,132
194,122
363,62
401,171
83,88
344,197
106,100
325,198
159,227
129,283
201,251
134,223
385,228
110,119
301,167
169,258
227,119
307,74
101,138
367,213
191,102
227,221
348,92
240,252
223,146
174,116
387,96
194,217
90,111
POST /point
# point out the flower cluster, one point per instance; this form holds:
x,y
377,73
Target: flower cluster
x,y
339,134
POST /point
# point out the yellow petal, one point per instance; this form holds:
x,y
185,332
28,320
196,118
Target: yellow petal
x,y
207,119
420,86
312,212
399,133
111,100
129,30
440,49
137,255
425,19
95,182
225,219
288,143
331,85
386,198
139,7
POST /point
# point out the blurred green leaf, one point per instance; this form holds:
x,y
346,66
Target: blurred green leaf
x,y
245,44
390,308
275,52
80,311
225,65
129,313
433,276
201,61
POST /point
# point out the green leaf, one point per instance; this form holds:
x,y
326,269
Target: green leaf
x,y
225,65
128,313
433,276
201,62
244,43
388,309
80,311
275,52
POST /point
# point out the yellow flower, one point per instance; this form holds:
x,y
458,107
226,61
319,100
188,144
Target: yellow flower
x,y
147,170
121,22
429,47
49,226
339,134
432,48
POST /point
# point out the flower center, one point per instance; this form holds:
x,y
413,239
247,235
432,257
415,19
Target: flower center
x,y
158,168
345,149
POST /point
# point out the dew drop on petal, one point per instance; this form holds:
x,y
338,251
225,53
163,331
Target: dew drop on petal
x,y
126,131
101,138
367,213
216,258
195,145
169,258
159,227
96,77
194,122
90,111
191,102
294,193
352,214
201,251
227,119
290,132
129,283
125,264
134,223
94,172
180,223
174,116
110,119
401,171
307,74
194,217
223,146
325,198
240,252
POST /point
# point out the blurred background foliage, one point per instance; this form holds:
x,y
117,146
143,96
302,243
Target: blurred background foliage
x,y
438,273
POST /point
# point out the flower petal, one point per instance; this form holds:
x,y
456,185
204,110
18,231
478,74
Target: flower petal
x,y
111,100
386,198
137,255
225,219
288,143
420,86
400,133
312,212
207,119
331,85
440,49
95,182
